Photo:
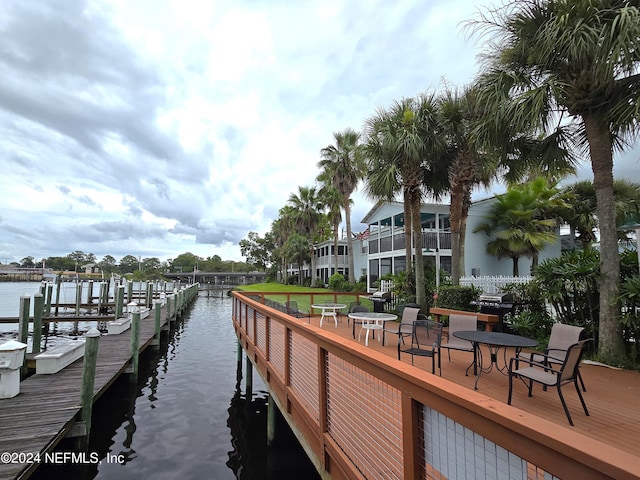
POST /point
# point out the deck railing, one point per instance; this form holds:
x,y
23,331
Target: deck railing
x,y
361,414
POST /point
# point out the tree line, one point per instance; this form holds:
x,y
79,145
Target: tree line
x,y
148,267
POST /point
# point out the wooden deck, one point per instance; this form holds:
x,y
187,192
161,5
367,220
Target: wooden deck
x,y
612,396
46,408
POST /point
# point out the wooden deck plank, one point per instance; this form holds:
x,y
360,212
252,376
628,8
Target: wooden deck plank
x,y
612,397
48,405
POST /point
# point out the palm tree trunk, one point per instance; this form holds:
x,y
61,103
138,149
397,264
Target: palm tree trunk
x,y
463,231
347,214
611,346
407,233
516,270
421,297
336,227
455,216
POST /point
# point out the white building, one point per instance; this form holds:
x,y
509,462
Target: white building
x,y
381,248
326,258
386,242
479,263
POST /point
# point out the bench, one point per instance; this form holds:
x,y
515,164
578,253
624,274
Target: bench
x,y
489,319
60,356
118,326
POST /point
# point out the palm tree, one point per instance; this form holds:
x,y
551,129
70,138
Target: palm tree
x,y
307,209
281,229
400,143
344,165
478,150
573,63
466,164
297,251
523,221
332,198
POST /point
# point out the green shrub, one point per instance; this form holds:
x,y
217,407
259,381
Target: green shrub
x,y
630,301
457,297
571,284
360,286
338,283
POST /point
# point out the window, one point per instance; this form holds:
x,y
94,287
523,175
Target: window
x,y
428,221
373,271
385,244
385,266
399,264
399,242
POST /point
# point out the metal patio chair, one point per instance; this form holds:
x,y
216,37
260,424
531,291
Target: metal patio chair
x,y
543,373
291,307
459,323
425,342
405,327
562,337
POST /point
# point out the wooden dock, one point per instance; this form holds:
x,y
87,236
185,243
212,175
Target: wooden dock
x,y
48,407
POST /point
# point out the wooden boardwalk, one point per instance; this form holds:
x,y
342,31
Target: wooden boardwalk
x,y
47,406
612,396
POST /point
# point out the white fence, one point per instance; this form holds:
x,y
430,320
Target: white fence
x,y
492,284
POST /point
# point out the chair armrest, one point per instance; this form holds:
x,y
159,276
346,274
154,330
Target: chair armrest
x,y
544,365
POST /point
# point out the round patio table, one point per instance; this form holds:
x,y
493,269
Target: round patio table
x,y
371,321
494,342
329,310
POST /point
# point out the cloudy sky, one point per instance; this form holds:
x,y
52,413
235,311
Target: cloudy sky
x,y
159,127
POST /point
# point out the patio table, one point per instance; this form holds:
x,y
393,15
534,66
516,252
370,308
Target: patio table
x,y
495,341
329,310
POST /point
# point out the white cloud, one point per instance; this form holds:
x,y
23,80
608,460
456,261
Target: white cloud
x,y
158,127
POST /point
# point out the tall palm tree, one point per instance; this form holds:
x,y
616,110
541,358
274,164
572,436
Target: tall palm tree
x,y
281,229
467,165
332,198
573,63
400,143
307,210
344,165
478,150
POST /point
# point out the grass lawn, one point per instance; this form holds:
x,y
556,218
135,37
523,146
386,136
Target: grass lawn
x,y
305,296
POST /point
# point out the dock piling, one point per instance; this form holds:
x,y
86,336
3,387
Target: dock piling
x,y
156,310
38,312
23,327
49,292
88,380
135,343
271,420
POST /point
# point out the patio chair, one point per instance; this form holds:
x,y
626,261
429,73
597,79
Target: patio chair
x,y
562,337
458,323
541,372
352,305
405,327
425,342
357,308
291,307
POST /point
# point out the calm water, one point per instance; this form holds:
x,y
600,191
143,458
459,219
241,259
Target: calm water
x,y
188,416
